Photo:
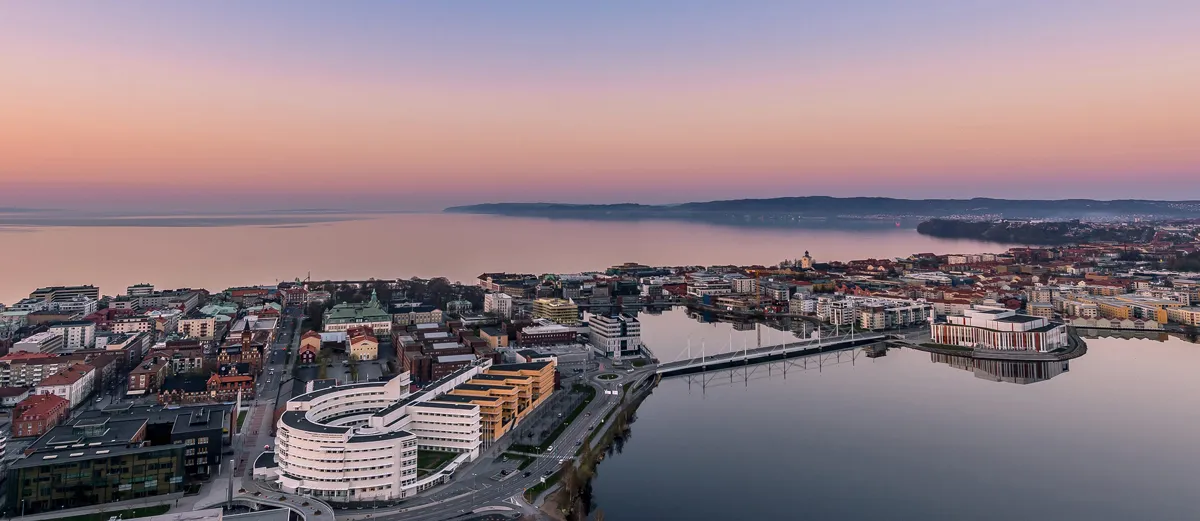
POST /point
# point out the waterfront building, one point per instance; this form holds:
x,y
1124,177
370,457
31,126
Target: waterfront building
x,y
1189,316
616,335
701,285
556,310
369,314
1000,329
885,313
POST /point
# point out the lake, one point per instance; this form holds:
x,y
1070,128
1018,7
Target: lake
x,y
216,253
1108,436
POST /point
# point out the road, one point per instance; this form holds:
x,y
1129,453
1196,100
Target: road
x,y
504,493
273,383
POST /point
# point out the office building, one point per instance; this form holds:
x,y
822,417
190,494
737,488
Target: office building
x,y
559,311
377,430
615,336
544,332
95,461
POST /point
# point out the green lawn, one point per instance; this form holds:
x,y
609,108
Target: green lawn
x,y
639,362
125,514
241,419
608,376
431,460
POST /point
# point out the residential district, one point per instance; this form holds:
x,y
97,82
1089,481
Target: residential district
x,y
425,399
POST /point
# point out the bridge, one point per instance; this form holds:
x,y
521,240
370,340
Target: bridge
x,y
736,358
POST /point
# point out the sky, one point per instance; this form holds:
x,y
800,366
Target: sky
x,y
419,105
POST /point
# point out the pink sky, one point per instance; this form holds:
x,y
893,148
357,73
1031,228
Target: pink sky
x,y
1104,108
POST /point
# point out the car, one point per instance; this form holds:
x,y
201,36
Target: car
x,y
550,448
99,399
527,474
578,443
504,472
548,473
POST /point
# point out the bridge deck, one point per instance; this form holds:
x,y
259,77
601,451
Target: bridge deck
x,y
750,355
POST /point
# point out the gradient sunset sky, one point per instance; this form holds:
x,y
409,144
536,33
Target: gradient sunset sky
x,y
417,105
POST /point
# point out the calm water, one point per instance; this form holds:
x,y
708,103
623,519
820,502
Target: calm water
x,y
424,245
903,437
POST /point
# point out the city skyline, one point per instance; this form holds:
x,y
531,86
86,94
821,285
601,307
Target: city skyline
x,y
377,105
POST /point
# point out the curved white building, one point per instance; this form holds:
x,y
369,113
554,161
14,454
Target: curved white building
x,y
359,442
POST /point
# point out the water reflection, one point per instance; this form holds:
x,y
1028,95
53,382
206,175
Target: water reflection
x,y
1013,372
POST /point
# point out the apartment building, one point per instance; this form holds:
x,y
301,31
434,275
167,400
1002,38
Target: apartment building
x,y
44,342
76,334
75,384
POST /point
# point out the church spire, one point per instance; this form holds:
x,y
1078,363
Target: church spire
x,y
374,298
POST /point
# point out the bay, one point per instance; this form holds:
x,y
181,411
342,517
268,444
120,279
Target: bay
x,y
216,253
903,436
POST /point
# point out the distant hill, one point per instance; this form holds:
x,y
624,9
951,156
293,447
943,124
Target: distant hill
x,y
852,207
1038,232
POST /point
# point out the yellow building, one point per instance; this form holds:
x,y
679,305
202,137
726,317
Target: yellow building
x,y
541,374
363,347
494,337
505,394
491,411
556,310
1189,316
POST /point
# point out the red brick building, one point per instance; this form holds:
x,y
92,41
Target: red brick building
x,y
39,413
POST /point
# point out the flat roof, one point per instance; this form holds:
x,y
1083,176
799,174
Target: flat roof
x,y
1019,319
459,406
297,420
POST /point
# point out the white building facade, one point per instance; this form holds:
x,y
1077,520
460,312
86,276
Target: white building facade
x,y
44,342
1000,329
499,304
359,442
76,335
616,335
